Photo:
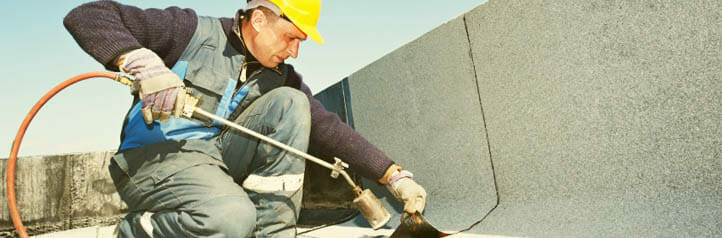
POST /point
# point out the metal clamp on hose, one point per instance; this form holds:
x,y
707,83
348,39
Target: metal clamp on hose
x,y
125,80
190,104
338,166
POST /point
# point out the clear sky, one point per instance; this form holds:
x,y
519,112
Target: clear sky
x,y
37,53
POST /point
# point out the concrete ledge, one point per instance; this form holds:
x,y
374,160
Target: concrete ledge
x,y
62,192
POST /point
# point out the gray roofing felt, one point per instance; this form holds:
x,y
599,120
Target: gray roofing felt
x,y
420,106
603,118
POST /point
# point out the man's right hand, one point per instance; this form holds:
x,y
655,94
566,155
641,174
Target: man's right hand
x,y
160,90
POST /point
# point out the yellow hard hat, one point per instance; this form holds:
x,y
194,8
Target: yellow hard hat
x,y
304,14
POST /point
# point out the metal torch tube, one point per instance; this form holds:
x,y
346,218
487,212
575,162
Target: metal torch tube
x,y
275,143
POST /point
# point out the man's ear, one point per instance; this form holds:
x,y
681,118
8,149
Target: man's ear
x,y
258,20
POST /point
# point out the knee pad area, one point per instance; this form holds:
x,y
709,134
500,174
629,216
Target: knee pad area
x,y
290,98
232,217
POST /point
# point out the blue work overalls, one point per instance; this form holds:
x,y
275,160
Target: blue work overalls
x,y
195,177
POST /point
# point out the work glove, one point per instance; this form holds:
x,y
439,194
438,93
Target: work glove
x,y
403,187
160,90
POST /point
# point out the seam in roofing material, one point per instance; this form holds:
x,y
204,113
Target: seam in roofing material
x,y
486,132
347,102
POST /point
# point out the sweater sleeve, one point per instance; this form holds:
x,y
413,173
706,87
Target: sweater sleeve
x,y
331,137
107,29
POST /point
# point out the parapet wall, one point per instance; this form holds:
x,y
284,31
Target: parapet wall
x,y
586,118
62,192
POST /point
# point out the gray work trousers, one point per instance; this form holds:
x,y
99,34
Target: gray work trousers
x,y
231,186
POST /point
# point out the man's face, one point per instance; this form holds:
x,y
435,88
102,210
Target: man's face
x,y
276,41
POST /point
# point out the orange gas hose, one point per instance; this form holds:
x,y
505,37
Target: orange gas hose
x,y
12,203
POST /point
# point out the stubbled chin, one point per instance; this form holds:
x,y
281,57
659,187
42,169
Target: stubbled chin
x,y
269,64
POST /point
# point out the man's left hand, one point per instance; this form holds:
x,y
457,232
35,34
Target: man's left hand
x,y
406,190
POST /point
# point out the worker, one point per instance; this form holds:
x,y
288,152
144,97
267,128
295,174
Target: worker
x,y
194,177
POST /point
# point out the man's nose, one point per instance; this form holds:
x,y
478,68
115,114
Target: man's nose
x,y
293,48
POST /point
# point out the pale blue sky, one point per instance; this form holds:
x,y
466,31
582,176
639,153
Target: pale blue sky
x,y
38,53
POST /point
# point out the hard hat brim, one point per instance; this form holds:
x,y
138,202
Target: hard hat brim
x,y
311,32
